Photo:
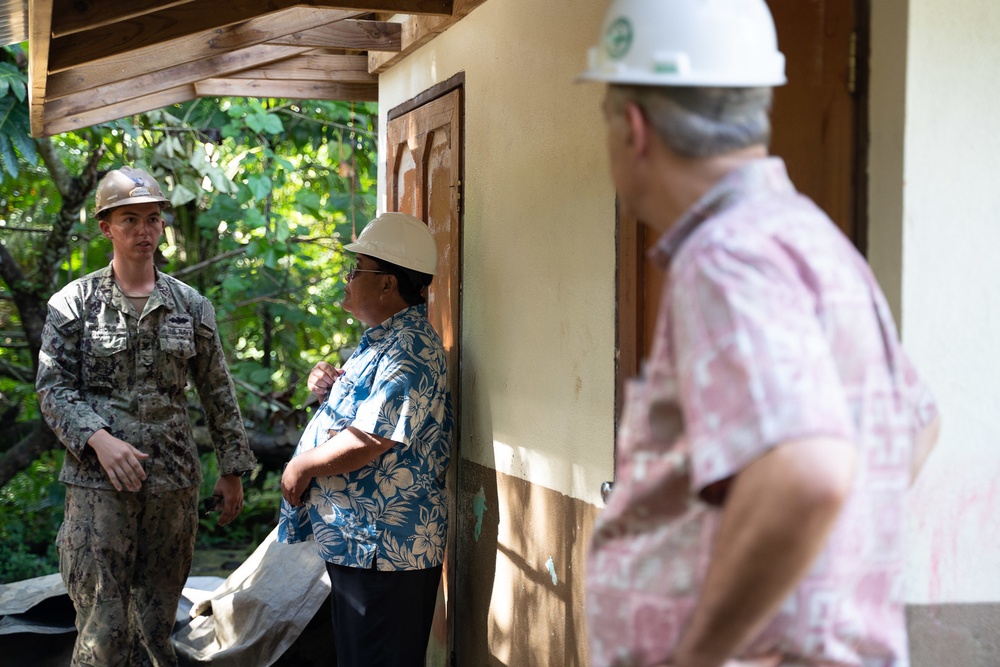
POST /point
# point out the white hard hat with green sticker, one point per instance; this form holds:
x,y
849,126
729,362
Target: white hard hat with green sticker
x,y
726,43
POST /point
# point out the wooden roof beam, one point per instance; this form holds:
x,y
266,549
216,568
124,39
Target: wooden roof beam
x,y
56,124
73,16
295,90
175,22
417,31
39,28
184,74
356,35
190,49
76,16
313,67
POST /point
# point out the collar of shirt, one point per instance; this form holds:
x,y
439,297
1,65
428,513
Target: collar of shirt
x,y
759,177
397,322
109,292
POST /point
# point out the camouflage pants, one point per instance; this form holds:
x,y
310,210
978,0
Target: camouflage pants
x,y
124,558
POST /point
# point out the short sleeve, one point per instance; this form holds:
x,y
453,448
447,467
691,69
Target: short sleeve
x,y
754,366
402,394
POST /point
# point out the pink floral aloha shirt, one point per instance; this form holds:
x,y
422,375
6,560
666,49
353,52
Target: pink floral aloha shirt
x,y
771,327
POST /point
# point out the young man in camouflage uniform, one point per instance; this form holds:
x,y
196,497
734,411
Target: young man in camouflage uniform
x,y
118,350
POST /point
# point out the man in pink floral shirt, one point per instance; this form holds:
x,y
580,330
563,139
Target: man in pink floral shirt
x,y
765,453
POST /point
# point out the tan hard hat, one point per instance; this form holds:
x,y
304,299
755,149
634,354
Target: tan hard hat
x,y
399,239
128,186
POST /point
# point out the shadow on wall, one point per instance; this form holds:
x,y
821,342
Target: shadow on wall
x,y
521,551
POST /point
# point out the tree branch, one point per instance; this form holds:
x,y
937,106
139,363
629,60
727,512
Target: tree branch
x,y
75,190
201,266
20,456
16,372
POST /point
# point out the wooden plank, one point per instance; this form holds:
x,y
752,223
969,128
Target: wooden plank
x,y
55,124
294,90
77,16
349,34
417,31
73,16
39,28
14,22
314,67
196,47
147,84
172,23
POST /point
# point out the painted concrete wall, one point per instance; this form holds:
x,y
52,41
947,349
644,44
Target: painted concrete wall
x,y
539,247
935,237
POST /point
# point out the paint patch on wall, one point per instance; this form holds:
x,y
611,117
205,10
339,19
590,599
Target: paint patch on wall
x,y
551,567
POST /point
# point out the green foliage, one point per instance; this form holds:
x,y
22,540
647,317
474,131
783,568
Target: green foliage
x,y
31,511
263,193
261,501
15,124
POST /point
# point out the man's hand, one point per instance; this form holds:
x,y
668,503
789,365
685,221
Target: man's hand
x,y
230,489
120,460
294,482
321,379
348,450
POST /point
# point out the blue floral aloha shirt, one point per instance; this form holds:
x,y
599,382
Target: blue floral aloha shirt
x,y
395,385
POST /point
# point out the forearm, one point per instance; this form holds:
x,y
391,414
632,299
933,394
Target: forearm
x,y
349,450
778,514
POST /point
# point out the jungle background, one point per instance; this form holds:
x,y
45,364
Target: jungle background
x,y
263,194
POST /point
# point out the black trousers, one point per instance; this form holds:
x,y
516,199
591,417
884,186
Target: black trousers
x,y
382,619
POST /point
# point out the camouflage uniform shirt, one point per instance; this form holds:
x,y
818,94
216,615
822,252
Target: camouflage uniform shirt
x,y
102,365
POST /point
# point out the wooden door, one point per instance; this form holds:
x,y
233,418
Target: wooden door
x,y
423,160
817,129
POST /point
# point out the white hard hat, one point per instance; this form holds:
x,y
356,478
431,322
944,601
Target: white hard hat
x,y
399,239
705,43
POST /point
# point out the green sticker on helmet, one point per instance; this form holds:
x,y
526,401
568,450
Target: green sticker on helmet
x,y
618,38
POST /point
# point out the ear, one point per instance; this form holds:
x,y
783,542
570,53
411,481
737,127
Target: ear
x,y
105,227
389,285
638,130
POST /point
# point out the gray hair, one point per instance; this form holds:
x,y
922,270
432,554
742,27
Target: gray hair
x,y
701,122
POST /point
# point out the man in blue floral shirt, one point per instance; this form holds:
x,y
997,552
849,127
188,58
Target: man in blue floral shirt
x,y
367,480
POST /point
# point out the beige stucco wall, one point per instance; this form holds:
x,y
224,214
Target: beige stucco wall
x,y
538,298
938,246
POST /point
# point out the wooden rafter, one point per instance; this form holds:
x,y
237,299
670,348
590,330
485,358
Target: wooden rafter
x,y
296,90
76,16
186,50
103,114
348,34
313,67
146,84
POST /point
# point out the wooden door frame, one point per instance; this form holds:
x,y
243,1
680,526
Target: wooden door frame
x,y
455,83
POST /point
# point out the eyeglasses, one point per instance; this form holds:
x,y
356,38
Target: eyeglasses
x,y
353,270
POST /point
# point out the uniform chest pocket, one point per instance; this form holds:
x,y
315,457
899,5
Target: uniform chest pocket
x,y
104,358
178,341
177,349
